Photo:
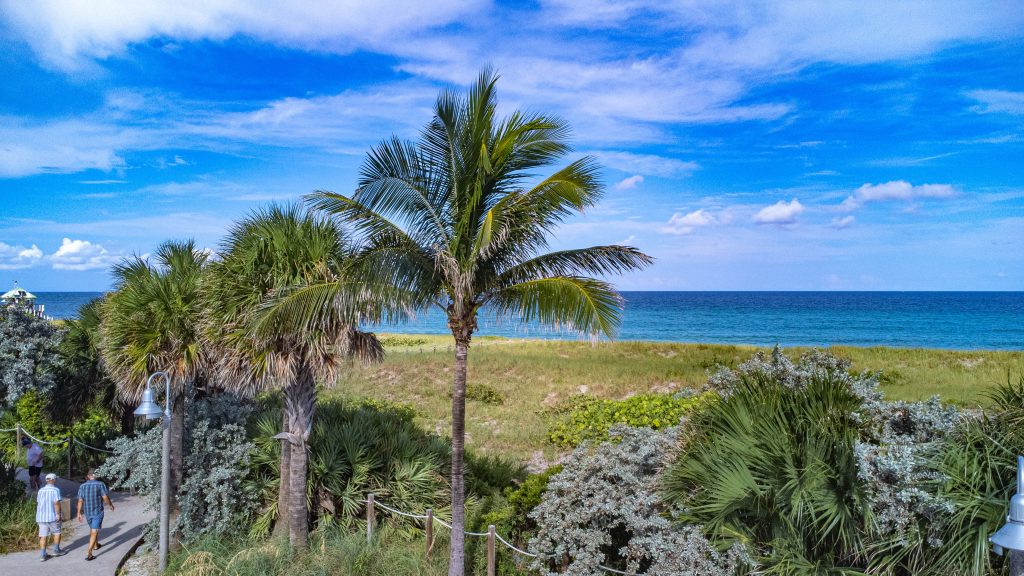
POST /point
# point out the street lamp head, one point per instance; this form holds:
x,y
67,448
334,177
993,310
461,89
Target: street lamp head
x,y
148,408
1011,535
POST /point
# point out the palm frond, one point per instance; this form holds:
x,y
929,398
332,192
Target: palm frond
x,y
580,304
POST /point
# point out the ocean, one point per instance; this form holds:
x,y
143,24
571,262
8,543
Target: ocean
x,y
951,320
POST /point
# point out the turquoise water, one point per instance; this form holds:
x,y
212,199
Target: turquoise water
x,y
955,320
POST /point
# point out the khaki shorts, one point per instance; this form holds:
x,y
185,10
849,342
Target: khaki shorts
x,y
48,528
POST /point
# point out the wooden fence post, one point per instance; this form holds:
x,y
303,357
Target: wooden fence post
x,y
71,446
490,551
430,530
17,445
371,518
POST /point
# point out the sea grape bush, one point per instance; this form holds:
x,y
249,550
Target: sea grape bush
x,y
29,358
216,462
603,508
590,418
218,452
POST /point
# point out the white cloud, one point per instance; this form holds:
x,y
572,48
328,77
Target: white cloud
x,y
630,183
998,101
18,257
681,224
780,213
895,190
627,241
646,163
81,255
67,33
842,223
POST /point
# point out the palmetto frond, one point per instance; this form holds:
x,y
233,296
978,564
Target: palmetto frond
x,y
151,320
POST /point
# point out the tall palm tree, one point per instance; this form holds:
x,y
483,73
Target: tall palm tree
x,y
267,257
151,322
460,221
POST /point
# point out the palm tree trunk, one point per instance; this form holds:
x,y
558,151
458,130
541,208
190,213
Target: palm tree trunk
x,y
284,487
456,559
177,463
300,402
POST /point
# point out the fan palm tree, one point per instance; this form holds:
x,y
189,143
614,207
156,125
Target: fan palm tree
x,y
459,221
265,257
151,322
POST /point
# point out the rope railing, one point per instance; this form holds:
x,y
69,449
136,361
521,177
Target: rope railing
x,y
492,536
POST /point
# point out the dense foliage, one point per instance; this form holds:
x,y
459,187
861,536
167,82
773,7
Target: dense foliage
x,y
590,418
356,448
604,508
28,355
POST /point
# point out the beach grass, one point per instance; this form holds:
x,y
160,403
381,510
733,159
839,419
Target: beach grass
x,y
520,381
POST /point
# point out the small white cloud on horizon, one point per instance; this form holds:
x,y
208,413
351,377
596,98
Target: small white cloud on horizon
x,y
895,190
781,212
842,223
81,255
682,224
630,183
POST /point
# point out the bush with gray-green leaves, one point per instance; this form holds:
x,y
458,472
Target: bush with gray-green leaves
x,y
217,455
604,508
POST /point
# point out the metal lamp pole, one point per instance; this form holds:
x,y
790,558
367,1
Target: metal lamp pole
x,y
1011,536
151,410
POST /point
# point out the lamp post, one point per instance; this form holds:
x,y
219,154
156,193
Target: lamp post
x,y
1011,536
149,409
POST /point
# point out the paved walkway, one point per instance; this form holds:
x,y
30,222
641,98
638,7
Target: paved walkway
x,y
122,528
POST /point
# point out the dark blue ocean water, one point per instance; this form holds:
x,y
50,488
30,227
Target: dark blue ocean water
x,y
955,320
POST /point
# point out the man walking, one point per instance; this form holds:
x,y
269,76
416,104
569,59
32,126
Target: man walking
x,y
48,516
34,456
91,497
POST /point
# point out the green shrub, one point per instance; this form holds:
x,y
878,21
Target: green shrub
x,y
483,393
774,466
356,448
589,418
401,341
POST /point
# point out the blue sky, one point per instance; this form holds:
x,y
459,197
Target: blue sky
x,y
747,146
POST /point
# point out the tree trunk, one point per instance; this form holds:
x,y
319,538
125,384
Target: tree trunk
x,y
127,421
456,559
177,463
284,487
300,402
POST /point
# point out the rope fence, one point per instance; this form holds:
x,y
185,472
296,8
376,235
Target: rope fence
x,y
492,536
70,442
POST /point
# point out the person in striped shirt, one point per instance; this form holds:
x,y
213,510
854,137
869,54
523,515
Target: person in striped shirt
x,y
91,497
48,516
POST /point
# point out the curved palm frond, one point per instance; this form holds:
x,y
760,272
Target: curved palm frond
x,y
580,304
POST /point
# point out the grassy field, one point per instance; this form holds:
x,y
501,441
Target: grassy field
x,y
532,376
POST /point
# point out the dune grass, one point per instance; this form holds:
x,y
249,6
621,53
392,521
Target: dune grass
x,y
333,552
18,530
518,381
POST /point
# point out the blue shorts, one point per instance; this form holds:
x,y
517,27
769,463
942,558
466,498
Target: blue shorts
x,y
95,522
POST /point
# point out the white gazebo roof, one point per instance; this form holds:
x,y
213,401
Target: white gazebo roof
x,y
17,293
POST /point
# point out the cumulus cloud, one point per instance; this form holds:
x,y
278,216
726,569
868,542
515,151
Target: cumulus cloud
x,y
842,223
895,190
630,183
998,101
781,212
681,224
18,257
81,255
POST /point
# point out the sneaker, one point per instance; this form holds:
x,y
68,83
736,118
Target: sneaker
x,y
44,557
59,552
